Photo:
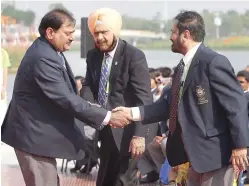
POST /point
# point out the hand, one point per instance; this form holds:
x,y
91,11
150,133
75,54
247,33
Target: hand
x,y
119,119
137,146
239,160
3,94
127,110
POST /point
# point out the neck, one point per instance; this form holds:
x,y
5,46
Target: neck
x,y
189,47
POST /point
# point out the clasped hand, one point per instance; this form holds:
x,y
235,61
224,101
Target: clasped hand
x,y
120,117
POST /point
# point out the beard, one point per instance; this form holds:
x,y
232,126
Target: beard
x,y
108,48
176,46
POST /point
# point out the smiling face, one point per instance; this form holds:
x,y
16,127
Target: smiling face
x,y
176,39
62,38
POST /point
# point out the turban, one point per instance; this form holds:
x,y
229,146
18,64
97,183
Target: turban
x,y
107,16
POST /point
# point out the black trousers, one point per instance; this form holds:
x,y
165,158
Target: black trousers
x,y
112,163
89,151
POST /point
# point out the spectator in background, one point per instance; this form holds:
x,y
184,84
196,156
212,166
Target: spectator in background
x,y
166,73
243,77
5,63
154,74
162,80
78,81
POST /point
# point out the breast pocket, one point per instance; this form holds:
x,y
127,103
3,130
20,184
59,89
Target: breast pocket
x,y
215,132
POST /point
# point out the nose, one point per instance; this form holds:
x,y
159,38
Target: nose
x,y
72,37
100,36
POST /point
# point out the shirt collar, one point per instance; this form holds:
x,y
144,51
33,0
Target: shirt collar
x,y
111,53
190,54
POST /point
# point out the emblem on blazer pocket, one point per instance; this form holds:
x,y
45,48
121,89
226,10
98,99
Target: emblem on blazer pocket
x,y
201,95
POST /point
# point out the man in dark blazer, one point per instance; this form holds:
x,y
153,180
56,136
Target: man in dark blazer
x,y
39,123
127,84
206,108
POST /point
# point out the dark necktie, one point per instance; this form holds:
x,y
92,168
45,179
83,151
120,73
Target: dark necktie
x,y
175,96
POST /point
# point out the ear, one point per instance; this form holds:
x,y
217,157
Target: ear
x,y
187,34
50,33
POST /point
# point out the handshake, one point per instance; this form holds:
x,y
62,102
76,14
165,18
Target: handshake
x,y
120,117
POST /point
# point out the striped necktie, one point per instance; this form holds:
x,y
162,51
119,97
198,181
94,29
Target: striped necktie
x,y
62,60
102,94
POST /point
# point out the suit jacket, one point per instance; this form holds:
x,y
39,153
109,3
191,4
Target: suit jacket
x,y
129,86
40,118
247,98
212,113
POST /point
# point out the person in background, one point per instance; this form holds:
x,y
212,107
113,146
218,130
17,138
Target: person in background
x,y
243,78
5,63
79,81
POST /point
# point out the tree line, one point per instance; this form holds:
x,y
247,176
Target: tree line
x,y
233,23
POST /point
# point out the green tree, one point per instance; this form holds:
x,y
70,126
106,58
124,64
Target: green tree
x,y
25,17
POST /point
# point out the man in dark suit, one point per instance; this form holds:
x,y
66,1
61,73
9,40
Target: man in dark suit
x,y
126,82
206,108
39,123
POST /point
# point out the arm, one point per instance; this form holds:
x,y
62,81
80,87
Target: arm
x,y
140,82
156,112
50,79
225,86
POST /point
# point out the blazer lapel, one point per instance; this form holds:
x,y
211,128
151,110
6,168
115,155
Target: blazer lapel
x,y
70,74
192,68
96,63
117,62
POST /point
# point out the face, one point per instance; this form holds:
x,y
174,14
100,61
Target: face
x,y
62,38
244,84
176,39
152,83
103,38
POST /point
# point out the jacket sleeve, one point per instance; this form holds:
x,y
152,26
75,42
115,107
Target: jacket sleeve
x,y
50,79
230,95
155,112
140,82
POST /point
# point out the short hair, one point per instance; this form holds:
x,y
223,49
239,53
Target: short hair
x,y
244,74
151,70
155,73
54,19
193,22
165,71
78,77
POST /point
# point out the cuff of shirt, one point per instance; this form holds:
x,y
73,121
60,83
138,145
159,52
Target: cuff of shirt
x,y
107,118
136,115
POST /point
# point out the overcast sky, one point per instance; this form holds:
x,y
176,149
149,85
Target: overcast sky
x,y
145,9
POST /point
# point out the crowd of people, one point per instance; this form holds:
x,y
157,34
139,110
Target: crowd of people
x,y
182,126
